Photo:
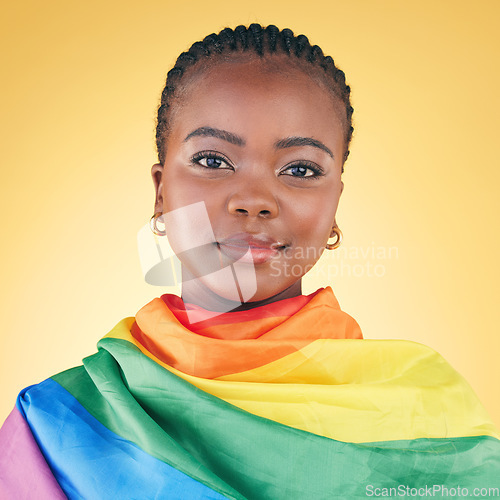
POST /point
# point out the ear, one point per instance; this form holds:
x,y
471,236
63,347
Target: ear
x,y
157,175
332,234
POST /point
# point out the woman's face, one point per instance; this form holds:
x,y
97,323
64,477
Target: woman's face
x,y
263,151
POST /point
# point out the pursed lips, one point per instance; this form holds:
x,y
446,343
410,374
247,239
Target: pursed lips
x,y
250,248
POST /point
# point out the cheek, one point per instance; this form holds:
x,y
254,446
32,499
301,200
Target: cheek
x,y
313,221
179,191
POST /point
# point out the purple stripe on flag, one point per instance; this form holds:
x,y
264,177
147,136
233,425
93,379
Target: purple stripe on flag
x,y
24,473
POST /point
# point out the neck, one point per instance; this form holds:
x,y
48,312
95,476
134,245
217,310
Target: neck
x,y
195,292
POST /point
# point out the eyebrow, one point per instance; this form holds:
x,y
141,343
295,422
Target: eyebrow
x,y
289,142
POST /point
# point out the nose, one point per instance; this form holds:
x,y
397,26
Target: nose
x,y
254,201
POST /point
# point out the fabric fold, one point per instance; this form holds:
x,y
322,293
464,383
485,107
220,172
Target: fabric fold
x,y
282,402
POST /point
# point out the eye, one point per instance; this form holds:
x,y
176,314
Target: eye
x,y
303,170
210,160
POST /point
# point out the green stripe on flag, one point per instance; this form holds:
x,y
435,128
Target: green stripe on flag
x,y
245,456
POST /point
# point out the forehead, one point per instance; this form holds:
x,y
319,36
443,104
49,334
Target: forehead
x,y
274,96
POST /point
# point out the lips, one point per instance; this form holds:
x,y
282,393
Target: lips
x,y
250,248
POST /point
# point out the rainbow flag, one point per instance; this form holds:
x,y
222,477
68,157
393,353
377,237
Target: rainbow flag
x,y
285,401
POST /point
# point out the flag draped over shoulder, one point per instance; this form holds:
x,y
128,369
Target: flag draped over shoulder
x,y
284,401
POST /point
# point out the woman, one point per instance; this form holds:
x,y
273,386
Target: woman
x,y
243,387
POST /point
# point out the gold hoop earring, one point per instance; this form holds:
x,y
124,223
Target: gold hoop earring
x,y
336,244
154,228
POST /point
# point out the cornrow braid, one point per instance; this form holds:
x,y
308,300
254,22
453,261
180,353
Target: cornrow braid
x,y
261,41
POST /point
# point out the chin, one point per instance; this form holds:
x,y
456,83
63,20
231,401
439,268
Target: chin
x,y
246,288
236,285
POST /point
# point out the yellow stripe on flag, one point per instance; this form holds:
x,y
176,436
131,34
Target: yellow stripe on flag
x,y
352,390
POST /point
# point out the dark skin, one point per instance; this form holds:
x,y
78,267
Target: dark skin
x,y
278,194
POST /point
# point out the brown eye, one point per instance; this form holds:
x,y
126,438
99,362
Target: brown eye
x,y
300,171
303,170
210,160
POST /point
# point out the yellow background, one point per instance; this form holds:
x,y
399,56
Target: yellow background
x,y
80,85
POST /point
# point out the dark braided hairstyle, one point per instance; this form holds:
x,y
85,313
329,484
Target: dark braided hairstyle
x,y
260,41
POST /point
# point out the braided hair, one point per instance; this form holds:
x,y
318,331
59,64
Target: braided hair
x,y
259,41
